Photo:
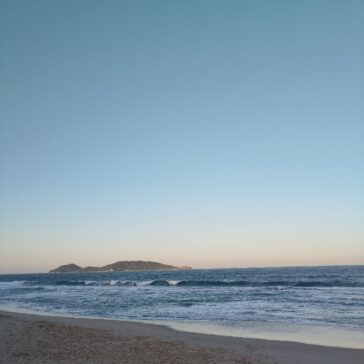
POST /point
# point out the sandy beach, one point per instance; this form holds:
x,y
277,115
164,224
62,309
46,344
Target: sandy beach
x,y
26,338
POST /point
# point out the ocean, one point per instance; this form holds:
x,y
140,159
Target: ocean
x,y
319,305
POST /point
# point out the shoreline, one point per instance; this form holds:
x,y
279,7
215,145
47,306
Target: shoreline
x,y
270,331
148,338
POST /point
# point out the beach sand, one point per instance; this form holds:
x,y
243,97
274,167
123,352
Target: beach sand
x,y
26,338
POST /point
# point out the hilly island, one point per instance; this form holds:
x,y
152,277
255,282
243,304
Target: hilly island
x,y
121,266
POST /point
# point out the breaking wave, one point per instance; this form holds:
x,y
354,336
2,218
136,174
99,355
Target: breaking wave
x,y
199,283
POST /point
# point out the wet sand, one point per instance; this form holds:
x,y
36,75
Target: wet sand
x,y
26,338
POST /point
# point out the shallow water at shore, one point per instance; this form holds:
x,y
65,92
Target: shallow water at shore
x,y
308,334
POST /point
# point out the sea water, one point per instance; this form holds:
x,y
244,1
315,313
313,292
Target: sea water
x,y
319,305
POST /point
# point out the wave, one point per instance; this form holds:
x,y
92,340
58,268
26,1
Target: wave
x,y
11,283
200,283
112,282
55,283
278,284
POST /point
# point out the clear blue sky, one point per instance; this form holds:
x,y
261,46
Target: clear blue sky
x,y
209,133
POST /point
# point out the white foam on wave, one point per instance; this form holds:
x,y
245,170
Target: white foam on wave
x,y
145,283
112,282
173,282
89,283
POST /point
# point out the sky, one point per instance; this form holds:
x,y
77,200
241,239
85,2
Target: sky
x,y
203,133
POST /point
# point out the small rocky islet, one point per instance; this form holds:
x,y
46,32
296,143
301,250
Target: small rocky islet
x,y
121,266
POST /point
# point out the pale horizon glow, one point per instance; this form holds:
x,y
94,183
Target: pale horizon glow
x,y
205,133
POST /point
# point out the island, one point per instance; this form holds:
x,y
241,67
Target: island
x,y
121,266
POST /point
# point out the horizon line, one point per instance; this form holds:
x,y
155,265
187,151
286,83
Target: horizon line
x,y
253,267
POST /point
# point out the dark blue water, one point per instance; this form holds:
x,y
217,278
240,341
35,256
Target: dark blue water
x,y
320,295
